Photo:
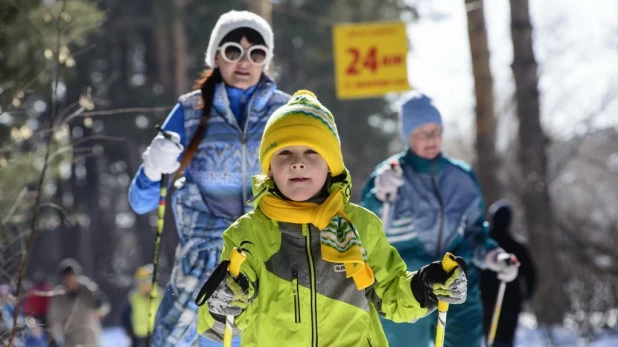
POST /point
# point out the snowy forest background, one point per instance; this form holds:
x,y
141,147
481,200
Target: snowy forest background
x,y
82,84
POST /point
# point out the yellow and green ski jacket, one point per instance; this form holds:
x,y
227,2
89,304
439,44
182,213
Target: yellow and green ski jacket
x,y
299,299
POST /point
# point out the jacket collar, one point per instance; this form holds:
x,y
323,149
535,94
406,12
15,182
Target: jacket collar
x,y
259,101
423,165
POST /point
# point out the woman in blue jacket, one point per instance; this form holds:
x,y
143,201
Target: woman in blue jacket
x,y
220,125
436,206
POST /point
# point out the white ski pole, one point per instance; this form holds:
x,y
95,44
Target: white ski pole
x,y
498,307
496,315
386,206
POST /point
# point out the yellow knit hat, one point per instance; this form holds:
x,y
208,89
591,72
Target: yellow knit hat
x,y
303,121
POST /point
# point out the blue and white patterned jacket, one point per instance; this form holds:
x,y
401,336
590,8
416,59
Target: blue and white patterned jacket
x,y
218,179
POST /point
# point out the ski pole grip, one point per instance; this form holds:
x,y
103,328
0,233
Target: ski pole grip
x,y
512,260
448,264
237,257
393,164
167,136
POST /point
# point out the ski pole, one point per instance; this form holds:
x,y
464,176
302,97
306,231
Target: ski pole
x,y
498,307
157,243
231,266
448,264
155,258
386,207
496,315
237,257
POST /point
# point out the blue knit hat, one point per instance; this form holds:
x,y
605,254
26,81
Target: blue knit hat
x,y
417,109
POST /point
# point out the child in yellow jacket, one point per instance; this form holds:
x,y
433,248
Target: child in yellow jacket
x,y
319,270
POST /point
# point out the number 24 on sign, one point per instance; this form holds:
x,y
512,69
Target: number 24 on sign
x,y
370,60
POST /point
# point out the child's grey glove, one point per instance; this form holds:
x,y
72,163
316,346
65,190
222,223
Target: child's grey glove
x,y
231,296
431,283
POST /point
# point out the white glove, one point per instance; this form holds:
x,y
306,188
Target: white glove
x,y
161,157
504,264
388,182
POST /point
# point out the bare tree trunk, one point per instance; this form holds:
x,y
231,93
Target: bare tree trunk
x,y
550,302
181,82
487,162
265,10
163,52
149,38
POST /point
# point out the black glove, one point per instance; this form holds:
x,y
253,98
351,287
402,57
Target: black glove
x,y
431,283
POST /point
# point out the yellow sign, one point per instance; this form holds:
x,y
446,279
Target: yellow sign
x,y
370,59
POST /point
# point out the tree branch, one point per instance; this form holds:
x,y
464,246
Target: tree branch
x,y
37,201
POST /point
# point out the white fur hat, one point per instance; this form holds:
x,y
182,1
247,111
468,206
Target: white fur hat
x,y
233,20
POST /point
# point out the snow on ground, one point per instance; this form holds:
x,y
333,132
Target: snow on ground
x,y
527,336
115,337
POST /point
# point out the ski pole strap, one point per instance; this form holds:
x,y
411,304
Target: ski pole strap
x,y
448,264
167,136
212,283
237,257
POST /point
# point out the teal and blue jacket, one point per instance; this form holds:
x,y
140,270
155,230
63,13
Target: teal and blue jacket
x,y
439,209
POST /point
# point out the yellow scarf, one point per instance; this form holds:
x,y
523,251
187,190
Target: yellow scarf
x,y
338,236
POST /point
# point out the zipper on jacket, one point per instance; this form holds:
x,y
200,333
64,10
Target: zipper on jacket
x,y
437,193
296,294
312,287
243,143
369,342
250,201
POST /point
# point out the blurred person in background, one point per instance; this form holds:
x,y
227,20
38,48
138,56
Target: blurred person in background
x,y
138,312
518,291
30,331
76,308
35,335
37,299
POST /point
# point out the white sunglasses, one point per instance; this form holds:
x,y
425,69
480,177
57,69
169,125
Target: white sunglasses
x,y
233,52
